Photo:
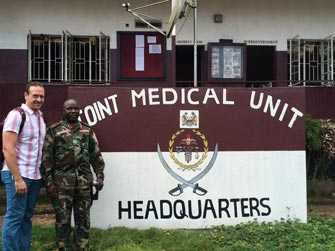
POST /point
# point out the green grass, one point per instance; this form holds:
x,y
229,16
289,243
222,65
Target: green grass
x,y
318,234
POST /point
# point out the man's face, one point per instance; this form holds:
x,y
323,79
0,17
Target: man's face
x,y
71,111
35,97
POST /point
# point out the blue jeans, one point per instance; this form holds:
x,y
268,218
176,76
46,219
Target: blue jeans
x,y
16,229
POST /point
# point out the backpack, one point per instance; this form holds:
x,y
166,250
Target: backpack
x,y
23,115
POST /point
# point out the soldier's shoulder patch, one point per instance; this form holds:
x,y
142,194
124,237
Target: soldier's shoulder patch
x,y
63,131
55,125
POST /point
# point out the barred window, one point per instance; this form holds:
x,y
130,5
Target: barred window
x,y
311,61
54,58
46,58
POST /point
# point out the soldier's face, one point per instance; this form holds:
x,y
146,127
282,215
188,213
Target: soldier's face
x,y
71,111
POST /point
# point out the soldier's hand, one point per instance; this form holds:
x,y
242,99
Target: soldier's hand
x,y
52,191
99,184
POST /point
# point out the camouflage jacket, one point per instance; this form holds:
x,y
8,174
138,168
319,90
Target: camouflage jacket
x,y
68,155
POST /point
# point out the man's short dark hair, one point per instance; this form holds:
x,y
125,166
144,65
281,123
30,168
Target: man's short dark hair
x,y
33,83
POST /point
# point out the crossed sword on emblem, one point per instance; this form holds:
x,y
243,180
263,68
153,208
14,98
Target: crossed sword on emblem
x,y
179,189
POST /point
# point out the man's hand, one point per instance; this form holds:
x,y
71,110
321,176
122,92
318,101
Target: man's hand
x,y
20,186
52,191
99,184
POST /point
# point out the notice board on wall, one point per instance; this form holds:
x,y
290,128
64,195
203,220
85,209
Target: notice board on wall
x,y
142,55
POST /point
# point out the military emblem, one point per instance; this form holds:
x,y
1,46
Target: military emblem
x,y
188,149
189,119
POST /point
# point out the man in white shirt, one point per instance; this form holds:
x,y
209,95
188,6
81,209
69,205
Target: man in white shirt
x,y
21,171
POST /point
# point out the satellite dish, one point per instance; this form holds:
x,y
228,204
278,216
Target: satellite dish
x,y
178,12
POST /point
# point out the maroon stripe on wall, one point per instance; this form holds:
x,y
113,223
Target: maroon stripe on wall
x,y
281,68
13,66
234,128
14,69
53,105
320,102
12,95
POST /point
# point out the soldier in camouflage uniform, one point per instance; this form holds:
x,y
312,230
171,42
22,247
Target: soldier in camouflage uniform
x,y
69,151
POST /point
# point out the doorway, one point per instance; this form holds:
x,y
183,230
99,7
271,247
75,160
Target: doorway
x,y
260,63
184,64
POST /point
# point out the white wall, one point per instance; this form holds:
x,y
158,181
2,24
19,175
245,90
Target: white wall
x,y
79,17
263,20
242,20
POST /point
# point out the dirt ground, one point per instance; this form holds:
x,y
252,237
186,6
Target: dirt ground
x,y
40,219
327,211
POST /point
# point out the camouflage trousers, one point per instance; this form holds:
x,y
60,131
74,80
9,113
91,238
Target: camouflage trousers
x,y
78,201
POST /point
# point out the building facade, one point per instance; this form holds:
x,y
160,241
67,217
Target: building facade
x,y
252,138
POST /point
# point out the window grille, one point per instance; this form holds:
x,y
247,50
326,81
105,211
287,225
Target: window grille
x,y
68,58
311,61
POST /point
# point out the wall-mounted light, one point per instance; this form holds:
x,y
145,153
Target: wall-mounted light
x,y
218,18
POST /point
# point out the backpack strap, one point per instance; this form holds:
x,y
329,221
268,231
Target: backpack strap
x,y
23,120
23,116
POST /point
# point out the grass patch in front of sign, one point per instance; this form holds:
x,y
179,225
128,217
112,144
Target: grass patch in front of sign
x,y
318,234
